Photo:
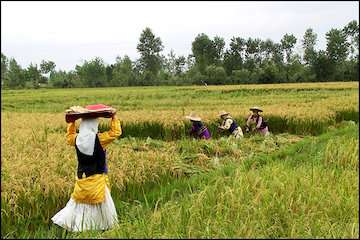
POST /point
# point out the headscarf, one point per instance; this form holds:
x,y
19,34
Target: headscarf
x,y
85,140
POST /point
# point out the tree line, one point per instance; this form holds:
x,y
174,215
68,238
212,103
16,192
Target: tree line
x,y
250,60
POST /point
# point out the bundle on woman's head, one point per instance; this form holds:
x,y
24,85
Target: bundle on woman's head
x,y
90,111
85,140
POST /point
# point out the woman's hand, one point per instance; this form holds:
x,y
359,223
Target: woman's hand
x,y
113,113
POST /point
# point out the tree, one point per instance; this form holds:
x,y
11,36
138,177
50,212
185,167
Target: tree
x,y
351,30
218,44
4,69
336,46
123,74
92,73
33,75
288,42
308,43
180,63
337,49
15,75
270,73
190,62
64,79
206,51
266,48
252,53
323,67
169,63
233,57
47,66
256,75
241,76
149,48
277,54
215,75
109,73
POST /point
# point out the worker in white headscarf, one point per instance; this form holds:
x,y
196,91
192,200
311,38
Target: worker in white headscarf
x,y
90,206
230,125
256,119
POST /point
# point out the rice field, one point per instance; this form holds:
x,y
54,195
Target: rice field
x,y
166,185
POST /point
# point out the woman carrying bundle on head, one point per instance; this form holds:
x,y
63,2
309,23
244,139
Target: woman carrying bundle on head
x,y
90,206
257,120
198,130
230,125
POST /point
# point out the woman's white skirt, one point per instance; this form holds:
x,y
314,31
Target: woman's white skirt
x,y
81,216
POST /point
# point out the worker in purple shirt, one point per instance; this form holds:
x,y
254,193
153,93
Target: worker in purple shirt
x,y
198,130
257,120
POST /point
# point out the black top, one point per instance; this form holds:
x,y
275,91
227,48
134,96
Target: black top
x,y
90,165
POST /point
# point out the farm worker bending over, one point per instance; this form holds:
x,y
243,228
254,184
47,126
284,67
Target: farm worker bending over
x,y
230,125
90,205
198,130
260,124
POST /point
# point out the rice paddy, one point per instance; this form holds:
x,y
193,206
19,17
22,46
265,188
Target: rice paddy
x,y
300,182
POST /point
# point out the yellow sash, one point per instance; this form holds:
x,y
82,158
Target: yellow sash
x,y
90,190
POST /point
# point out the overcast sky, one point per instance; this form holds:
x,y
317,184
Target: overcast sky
x,y
70,32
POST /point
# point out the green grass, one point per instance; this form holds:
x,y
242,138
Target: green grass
x,y
167,98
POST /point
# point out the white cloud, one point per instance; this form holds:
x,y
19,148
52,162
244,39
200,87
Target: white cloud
x,y
67,32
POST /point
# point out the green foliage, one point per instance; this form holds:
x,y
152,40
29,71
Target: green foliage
x,y
215,75
207,51
250,60
256,75
4,69
173,70
337,46
122,73
323,67
33,75
271,73
252,53
288,42
233,57
351,31
92,73
308,43
219,45
15,76
63,79
149,48
241,76
47,66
